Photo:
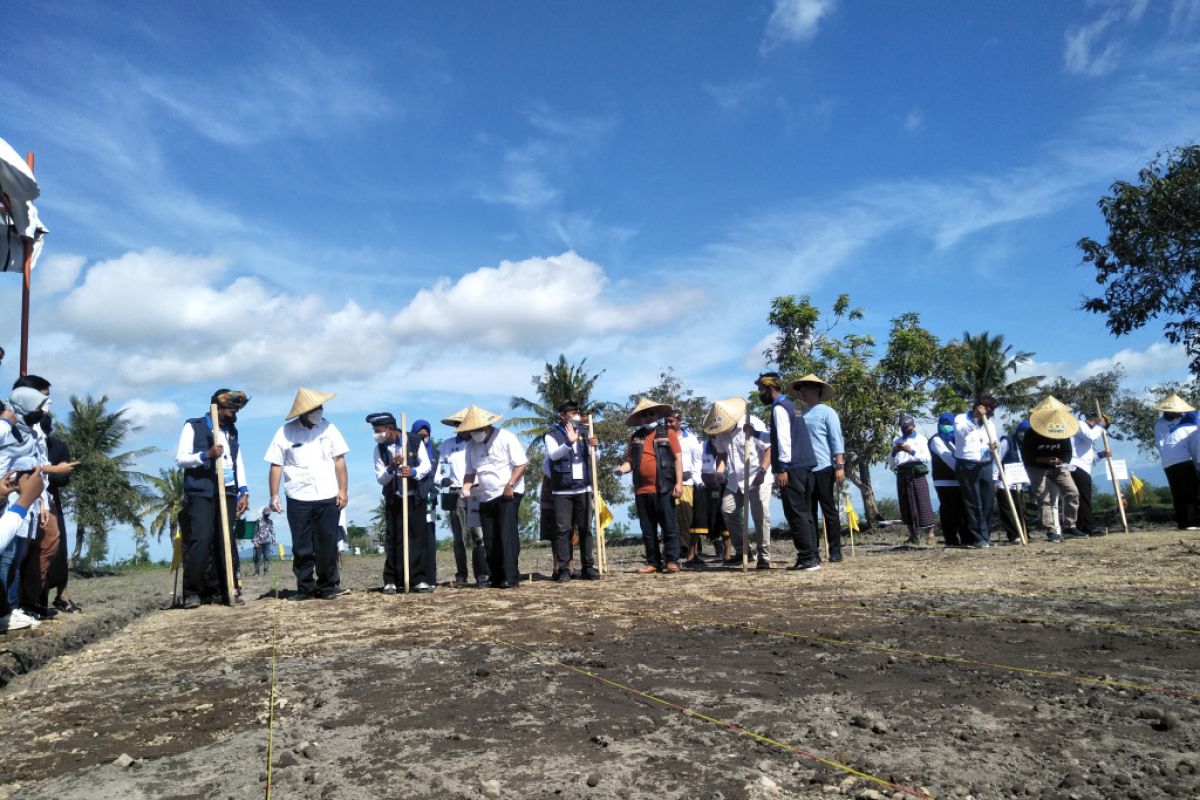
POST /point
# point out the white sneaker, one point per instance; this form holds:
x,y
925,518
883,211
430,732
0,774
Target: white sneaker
x,y
423,587
17,620
389,588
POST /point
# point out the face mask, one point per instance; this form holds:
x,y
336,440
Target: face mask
x,y
315,417
479,436
575,419
34,417
764,396
945,429
381,438
1170,416
907,432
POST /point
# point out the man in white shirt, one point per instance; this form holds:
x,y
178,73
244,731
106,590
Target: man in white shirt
x,y
454,470
569,466
1177,437
973,433
729,443
693,483
395,469
209,462
910,459
496,464
1083,456
309,454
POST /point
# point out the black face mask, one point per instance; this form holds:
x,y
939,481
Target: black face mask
x,y
34,417
765,396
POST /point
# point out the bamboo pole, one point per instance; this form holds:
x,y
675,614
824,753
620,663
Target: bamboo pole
x,y
824,537
25,291
1012,506
1111,472
842,494
404,499
746,495
601,563
223,507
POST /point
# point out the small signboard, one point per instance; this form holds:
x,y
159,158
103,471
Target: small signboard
x,y
1119,467
1015,474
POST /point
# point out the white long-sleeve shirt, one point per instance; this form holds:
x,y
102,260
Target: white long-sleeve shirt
x,y
385,474
185,458
971,440
693,458
732,446
938,448
1177,442
920,451
1083,446
782,423
454,460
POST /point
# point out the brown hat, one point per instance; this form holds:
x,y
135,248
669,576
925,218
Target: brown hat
x,y
476,418
826,389
1173,403
456,417
307,400
1054,423
1051,402
647,411
724,414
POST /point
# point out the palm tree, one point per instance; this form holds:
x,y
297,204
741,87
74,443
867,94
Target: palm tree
x,y
984,370
167,502
560,382
106,488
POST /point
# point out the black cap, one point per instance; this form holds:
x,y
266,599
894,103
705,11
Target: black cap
x,y
381,418
568,405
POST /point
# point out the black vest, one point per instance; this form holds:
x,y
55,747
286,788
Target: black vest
x,y
940,470
560,470
663,457
424,486
200,481
799,432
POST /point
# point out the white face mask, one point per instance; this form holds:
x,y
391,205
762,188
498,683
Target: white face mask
x,y
479,436
314,417
381,438
575,419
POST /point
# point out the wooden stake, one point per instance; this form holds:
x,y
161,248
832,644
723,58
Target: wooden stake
x,y
601,563
1012,506
28,269
824,537
404,499
746,535
1111,472
223,507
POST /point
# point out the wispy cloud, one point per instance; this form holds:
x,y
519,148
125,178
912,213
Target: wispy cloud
x,y
794,21
914,121
732,96
1095,48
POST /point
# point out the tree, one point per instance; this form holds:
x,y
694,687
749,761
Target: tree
x,y
982,365
672,391
1150,264
166,502
869,394
105,489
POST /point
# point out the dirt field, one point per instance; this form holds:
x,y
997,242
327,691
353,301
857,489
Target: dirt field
x,y
1052,671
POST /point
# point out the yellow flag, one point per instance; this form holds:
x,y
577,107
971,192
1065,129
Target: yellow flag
x,y
606,516
1137,487
177,551
280,551
851,516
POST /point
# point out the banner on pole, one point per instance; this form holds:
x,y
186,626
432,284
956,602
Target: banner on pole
x,y
1016,474
1119,468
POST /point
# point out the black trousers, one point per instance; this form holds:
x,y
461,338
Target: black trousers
x,y
314,526
422,544
203,568
798,509
498,518
824,496
1184,488
1007,520
657,510
1085,520
978,497
952,515
572,512
458,528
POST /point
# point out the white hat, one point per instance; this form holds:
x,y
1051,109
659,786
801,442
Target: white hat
x,y
477,418
724,414
307,400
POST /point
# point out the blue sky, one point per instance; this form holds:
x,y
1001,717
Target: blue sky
x,y
416,205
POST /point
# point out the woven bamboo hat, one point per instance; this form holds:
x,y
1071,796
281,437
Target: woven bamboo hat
x,y
308,400
647,411
1051,402
476,418
1175,403
456,417
724,414
826,389
1054,423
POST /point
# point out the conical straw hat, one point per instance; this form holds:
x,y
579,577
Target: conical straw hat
x,y
307,400
724,415
647,411
1054,423
1050,403
477,418
456,417
826,389
1175,403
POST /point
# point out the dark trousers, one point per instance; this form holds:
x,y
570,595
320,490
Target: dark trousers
x,y
572,512
978,498
952,515
798,509
1085,520
200,523
1007,520
60,571
314,526
262,559
824,496
1184,488
656,510
498,518
422,544
458,528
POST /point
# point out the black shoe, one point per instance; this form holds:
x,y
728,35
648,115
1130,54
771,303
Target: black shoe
x,y
1098,532
338,591
510,584
1074,533
67,606
732,561
561,576
299,596
835,558
483,583
460,581
191,601
763,565
590,574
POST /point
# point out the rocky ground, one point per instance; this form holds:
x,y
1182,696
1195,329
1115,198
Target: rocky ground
x,y
1048,671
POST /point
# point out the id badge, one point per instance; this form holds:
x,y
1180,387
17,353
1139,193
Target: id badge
x,y
577,471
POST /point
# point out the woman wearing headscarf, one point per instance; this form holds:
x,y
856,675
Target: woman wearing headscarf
x,y
910,459
1179,447
951,514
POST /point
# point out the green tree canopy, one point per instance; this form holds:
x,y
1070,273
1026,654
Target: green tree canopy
x,y
1149,265
983,364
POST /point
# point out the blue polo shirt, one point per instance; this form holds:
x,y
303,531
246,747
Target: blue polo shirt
x,y
825,431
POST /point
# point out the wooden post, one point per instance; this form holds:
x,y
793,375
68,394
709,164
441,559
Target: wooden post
x,y
599,535
223,508
824,537
404,499
746,536
1111,472
28,269
1012,506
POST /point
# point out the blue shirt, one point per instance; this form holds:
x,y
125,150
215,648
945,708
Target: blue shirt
x,y
825,431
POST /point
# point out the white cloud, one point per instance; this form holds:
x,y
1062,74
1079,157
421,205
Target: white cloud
x,y
914,121
1080,53
57,272
153,416
794,21
1159,359
732,96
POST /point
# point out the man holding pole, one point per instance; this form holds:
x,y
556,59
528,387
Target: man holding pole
x,y
655,459
568,448
829,448
792,461
1046,450
454,461
210,461
1083,455
747,483
392,467
309,454
973,435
